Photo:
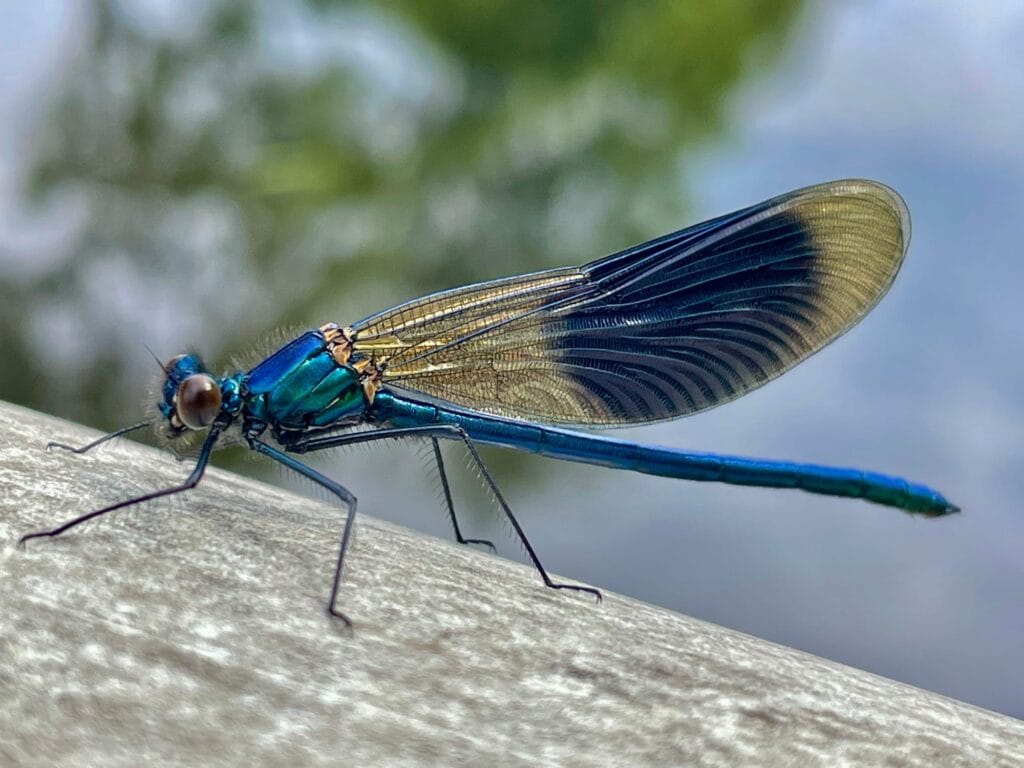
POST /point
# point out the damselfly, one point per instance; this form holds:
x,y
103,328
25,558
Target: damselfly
x,y
661,330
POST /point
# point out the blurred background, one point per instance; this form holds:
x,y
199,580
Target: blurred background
x,y
201,173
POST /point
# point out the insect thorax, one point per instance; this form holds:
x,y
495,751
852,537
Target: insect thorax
x,y
304,386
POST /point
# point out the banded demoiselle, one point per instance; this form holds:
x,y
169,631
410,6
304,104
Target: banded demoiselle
x,y
665,329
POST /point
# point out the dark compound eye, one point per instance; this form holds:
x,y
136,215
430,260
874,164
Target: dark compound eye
x,y
197,401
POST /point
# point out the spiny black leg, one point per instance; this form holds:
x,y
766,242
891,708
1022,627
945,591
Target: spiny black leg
x,y
448,501
99,440
451,432
193,478
343,495
515,523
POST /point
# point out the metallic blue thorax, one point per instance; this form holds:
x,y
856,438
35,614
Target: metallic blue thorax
x,y
302,386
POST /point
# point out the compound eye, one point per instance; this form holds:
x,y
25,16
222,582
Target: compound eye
x,y
198,401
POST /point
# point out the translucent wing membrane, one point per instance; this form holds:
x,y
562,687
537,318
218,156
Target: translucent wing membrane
x,y
667,328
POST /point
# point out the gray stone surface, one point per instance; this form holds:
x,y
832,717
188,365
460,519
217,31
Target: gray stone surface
x,y
192,631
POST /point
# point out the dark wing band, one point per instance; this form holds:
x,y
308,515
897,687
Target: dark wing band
x,y
664,329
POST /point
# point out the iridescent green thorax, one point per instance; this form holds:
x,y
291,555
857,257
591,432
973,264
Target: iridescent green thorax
x,y
303,385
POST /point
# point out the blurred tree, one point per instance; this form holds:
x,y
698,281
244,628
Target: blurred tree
x,y
243,166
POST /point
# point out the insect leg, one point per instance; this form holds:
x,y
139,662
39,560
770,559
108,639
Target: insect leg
x,y
337,490
449,504
194,477
99,440
450,432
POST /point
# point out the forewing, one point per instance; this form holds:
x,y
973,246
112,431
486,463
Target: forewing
x,y
667,328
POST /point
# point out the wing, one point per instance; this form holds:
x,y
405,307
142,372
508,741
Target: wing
x,y
664,329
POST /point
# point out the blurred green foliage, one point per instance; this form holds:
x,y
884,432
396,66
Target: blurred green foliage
x,y
246,166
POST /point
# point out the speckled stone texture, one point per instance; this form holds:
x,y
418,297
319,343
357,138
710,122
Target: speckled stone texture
x,y
191,631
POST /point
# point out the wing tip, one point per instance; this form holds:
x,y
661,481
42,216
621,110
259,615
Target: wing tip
x,y
874,190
